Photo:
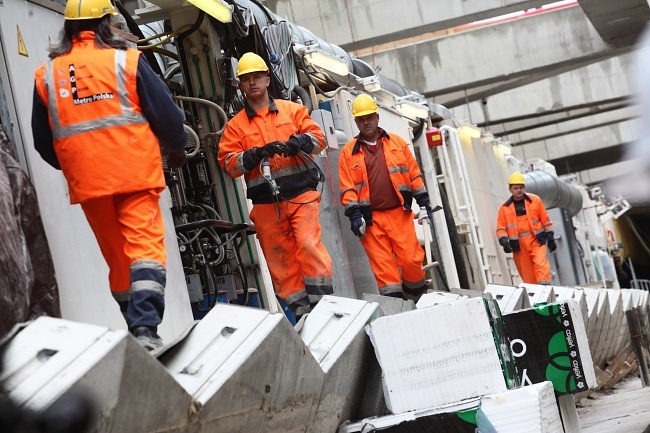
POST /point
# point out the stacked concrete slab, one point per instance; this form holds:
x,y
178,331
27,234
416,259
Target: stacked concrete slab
x,y
238,370
437,355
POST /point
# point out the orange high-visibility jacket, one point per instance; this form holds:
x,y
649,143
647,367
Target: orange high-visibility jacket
x,y
537,217
403,169
249,129
102,140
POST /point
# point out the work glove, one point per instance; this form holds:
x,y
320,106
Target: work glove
x,y
297,143
507,248
550,241
269,150
425,214
358,226
176,158
357,223
291,147
254,156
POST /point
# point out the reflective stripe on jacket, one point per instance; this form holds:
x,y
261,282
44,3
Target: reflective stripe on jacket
x,y
538,219
403,170
102,140
249,129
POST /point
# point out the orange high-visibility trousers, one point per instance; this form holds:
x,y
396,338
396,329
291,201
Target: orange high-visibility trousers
x,y
531,259
391,243
128,227
299,264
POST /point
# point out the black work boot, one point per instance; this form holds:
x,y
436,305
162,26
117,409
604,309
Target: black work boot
x,y
147,337
414,294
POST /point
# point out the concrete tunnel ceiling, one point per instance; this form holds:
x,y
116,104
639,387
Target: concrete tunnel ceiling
x,y
566,63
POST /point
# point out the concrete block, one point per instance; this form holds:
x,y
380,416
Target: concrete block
x,y
531,409
334,334
427,363
453,418
509,298
51,357
539,293
549,343
436,298
247,370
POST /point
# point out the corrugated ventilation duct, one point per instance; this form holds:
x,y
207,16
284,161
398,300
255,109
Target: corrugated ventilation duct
x,y
553,192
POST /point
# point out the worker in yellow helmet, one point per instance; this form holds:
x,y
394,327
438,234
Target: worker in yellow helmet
x,y
100,115
379,178
524,228
269,142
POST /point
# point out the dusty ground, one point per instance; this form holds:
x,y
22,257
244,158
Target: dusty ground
x,y
624,409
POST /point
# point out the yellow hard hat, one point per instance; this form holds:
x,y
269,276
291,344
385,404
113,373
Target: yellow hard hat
x,y
88,9
516,178
364,105
251,62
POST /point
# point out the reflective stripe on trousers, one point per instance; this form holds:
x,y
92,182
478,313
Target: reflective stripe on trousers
x,y
391,242
128,227
297,259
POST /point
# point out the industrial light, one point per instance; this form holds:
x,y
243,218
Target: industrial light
x,y
326,61
217,9
412,110
469,131
370,84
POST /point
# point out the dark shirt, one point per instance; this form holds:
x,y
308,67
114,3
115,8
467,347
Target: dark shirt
x,y
382,192
520,207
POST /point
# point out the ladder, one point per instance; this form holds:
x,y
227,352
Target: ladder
x,y
461,200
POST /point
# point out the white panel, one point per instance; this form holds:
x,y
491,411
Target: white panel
x,y
81,272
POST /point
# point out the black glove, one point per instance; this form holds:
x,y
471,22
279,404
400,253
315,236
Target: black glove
x,y
254,156
550,241
269,150
507,248
357,224
291,147
297,143
176,158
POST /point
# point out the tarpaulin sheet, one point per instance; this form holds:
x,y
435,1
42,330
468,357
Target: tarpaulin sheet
x,y
27,285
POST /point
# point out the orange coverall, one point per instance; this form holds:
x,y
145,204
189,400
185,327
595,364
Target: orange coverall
x,y
300,267
390,241
527,237
110,157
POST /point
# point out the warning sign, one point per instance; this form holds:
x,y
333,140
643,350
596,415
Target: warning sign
x,y
22,49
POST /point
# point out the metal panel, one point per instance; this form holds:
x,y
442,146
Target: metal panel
x,y
81,271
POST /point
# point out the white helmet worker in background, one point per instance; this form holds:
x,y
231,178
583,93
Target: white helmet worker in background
x,y
524,228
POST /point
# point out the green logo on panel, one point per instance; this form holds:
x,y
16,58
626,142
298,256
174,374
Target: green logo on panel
x,y
558,371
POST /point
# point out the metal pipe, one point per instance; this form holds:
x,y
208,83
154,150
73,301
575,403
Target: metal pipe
x,y
553,192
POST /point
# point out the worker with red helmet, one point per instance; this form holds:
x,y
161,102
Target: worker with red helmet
x,y
525,229
379,178
269,142
100,115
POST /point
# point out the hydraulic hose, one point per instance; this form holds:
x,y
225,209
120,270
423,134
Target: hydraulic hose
x,y
220,110
304,96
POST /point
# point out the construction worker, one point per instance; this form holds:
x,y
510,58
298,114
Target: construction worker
x,y
524,228
99,114
379,178
279,136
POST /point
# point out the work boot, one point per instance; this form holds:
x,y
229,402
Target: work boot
x,y
414,294
147,337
